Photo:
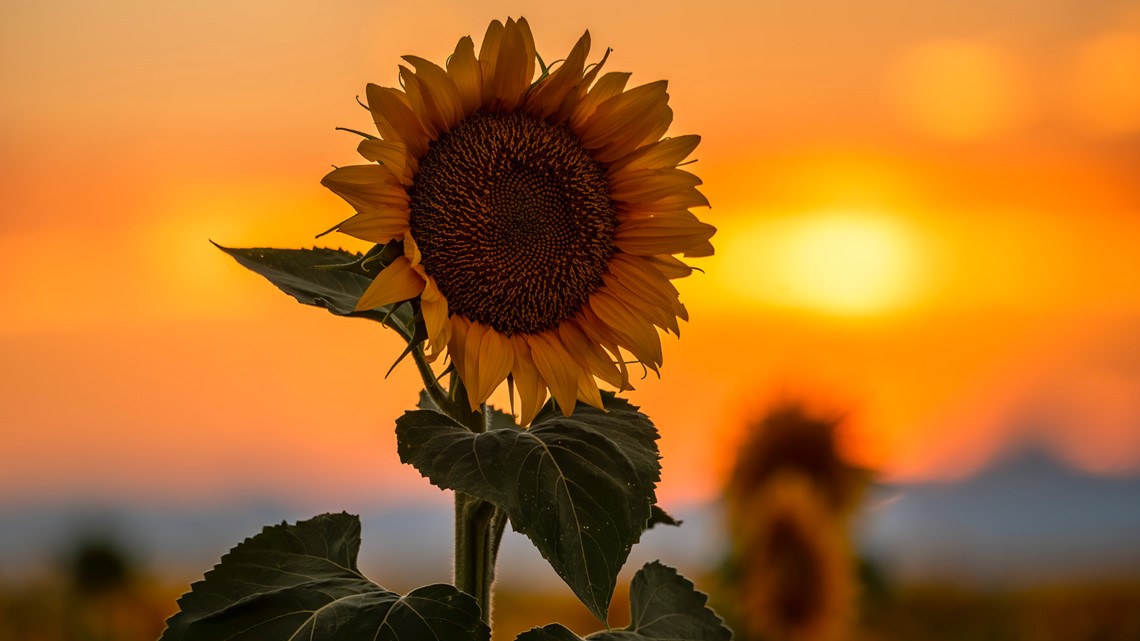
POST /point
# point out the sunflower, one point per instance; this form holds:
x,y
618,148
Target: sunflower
x,y
541,220
796,573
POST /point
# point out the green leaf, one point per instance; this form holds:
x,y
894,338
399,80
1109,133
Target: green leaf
x,y
330,278
662,604
301,582
661,517
581,488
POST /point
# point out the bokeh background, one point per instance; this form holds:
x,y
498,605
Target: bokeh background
x,y
929,216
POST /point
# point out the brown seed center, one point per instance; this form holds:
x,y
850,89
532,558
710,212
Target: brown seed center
x,y
514,221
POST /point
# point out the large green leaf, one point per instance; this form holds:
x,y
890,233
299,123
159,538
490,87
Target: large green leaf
x,y
580,487
663,605
301,582
330,278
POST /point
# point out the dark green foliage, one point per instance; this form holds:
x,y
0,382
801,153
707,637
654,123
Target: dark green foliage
x,y
580,487
301,582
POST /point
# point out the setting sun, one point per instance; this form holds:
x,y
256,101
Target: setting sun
x,y
843,262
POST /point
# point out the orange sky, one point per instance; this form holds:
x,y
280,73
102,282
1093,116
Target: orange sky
x,y
927,218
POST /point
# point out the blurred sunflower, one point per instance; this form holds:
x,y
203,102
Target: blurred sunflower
x,y
789,438
541,221
795,570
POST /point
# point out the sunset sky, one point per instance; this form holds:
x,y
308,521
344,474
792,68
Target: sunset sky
x,y
929,218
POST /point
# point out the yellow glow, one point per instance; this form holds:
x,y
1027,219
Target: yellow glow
x,y
1105,91
837,261
958,90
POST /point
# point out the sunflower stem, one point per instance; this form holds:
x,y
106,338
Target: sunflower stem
x,y
479,524
479,528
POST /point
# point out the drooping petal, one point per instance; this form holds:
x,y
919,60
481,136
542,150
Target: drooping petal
x,y
549,93
660,316
662,154
646,281
457,344
434,308
531,387
608,86
589,353
588,391
661,234
397,282
395,119
433,95
557,368
640,337
494,360
391,155
464,70
605,336
366,186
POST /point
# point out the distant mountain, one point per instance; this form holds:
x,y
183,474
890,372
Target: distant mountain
x,y
1027,517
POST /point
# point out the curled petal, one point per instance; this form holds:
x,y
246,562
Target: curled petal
x,y
396,283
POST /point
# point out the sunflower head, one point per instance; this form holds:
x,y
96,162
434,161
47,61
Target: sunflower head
x,y
541,219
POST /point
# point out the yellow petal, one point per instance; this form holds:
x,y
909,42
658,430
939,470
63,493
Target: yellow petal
x,y
608,86
398,282
412,253
532,389
548,94
603,335
651,185
639,335
463,69
646,281
395,120
669,266
700,250
489,55
508,78
377,225
391,155
457,344
658,315
496,355
588,391
434,308
366,186
663,234
659,155
435,99
628,119
588,353
557,368
470,371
